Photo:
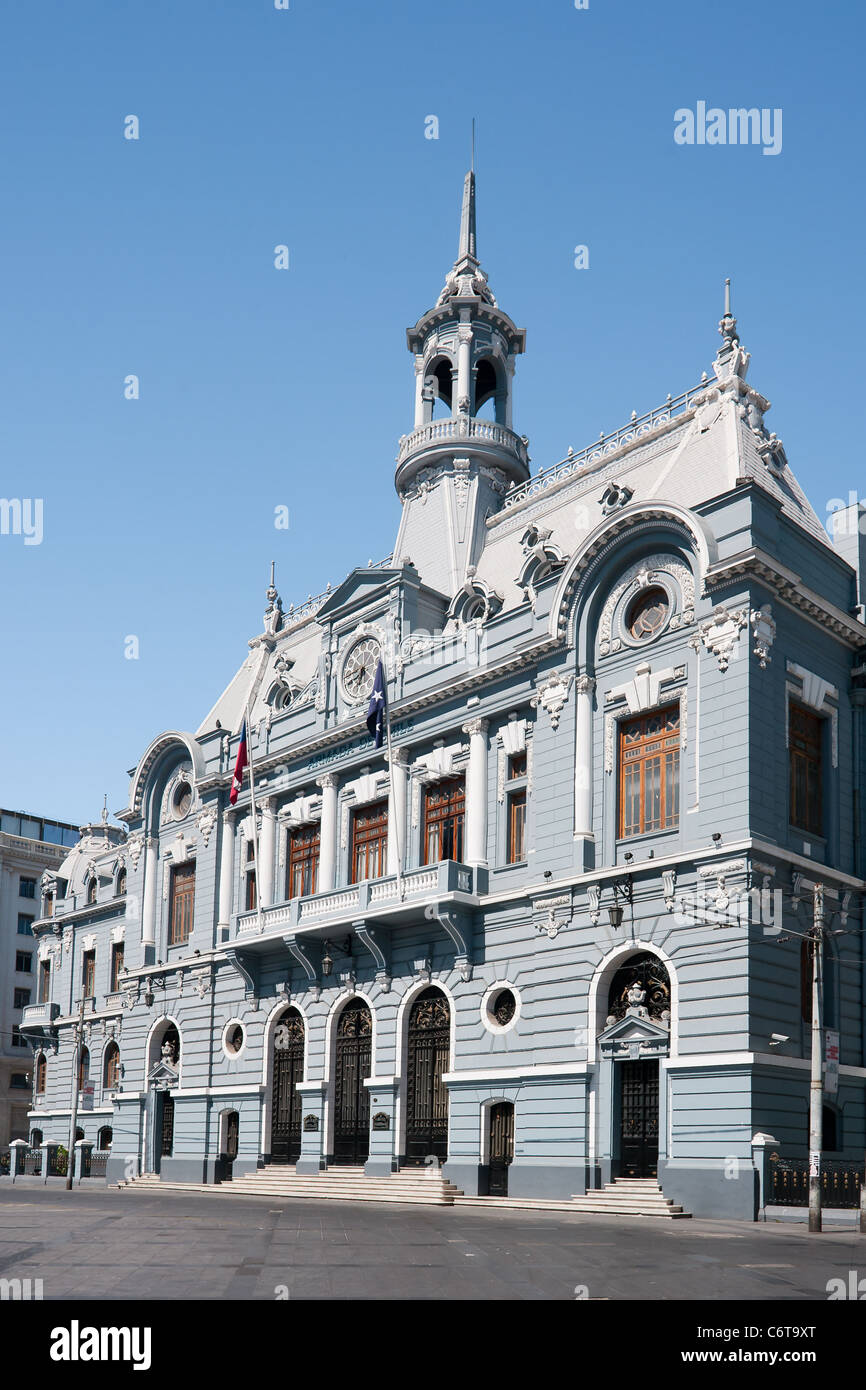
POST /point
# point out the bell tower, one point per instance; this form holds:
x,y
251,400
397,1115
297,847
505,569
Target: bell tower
x,y
455,467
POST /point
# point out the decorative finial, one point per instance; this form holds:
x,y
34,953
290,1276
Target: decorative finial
x,y
727,323
273,619
105,809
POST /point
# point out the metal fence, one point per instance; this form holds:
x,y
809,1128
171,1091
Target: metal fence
x,y
840,1183
32,1162
94,1163
5,1162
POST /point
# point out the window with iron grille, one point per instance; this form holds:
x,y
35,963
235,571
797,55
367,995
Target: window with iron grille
x,y
304,844
444,809
805,740
88,974
369,841
182,903
649,768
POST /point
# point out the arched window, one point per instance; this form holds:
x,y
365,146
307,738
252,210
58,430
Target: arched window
x,y
438,389
121,883
41,1074
91,890
111,1078
641,982
104,1138
35,1138
487,388
167,1048
83,1068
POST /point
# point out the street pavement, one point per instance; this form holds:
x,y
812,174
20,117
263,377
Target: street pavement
x,y
101,1243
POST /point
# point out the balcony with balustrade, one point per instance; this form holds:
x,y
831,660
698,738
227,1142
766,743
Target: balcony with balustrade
x,y
487,442
38,1021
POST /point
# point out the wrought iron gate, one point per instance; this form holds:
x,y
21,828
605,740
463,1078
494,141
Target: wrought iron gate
x,y
285,1097
351,1097
427,1094
166,1125
640,1119
501,1147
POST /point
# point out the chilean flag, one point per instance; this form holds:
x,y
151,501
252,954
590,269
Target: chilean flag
x,y
378,710
237,780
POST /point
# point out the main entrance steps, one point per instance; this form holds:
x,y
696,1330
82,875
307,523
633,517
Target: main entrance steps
x,y
339,1184
624,1197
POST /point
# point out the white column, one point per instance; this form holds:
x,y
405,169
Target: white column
x,y
509,389
419,391
227,869
397,810
151,890
585,688
464,352
328,833
476,792
267,851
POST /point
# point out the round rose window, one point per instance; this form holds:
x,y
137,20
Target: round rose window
x,y
648,614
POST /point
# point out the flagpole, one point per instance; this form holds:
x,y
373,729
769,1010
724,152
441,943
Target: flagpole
x,y
255,817
391,780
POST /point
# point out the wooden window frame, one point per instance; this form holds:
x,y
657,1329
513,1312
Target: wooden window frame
x,y
806,770
43,991
659,747
112,1067
370,839
515,849
305,843
444,825
181,904
88,974
41,1074
116,965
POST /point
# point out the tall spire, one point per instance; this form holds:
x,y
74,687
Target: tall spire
x,y
466,257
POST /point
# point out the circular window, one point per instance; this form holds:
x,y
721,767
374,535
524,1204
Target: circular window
x,y
500,1008
359,669
234,1038
182,800
648,614
503,1007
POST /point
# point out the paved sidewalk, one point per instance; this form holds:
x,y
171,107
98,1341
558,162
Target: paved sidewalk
x,y
108,1244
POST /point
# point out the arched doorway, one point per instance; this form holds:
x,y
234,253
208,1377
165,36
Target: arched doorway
x,y
351,1097
429,1051
288,1061
639,992
501,1147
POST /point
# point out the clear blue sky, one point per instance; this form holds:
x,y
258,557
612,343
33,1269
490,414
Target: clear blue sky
x,y
261,388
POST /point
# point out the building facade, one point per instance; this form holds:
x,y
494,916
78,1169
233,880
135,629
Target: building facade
x,y
558,935
29,845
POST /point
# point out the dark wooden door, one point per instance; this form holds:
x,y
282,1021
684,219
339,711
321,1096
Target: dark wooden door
x,y
501,1147
351,1097
639,1150
427,1094
285,1097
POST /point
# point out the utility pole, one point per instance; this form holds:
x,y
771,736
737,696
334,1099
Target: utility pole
x,y
73,1119
816,1088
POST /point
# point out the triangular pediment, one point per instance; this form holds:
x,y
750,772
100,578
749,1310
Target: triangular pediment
x,y
356,589
164,1073
634,1029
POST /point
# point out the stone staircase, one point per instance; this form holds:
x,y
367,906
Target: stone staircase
x,y
421,1186
624,1197
340,1184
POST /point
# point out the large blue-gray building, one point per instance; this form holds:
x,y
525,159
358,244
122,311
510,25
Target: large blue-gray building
x,y
558,937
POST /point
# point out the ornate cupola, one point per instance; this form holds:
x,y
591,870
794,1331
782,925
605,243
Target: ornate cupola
x,y
455,467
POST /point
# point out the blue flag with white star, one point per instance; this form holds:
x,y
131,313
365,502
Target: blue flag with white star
x,y
378,707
